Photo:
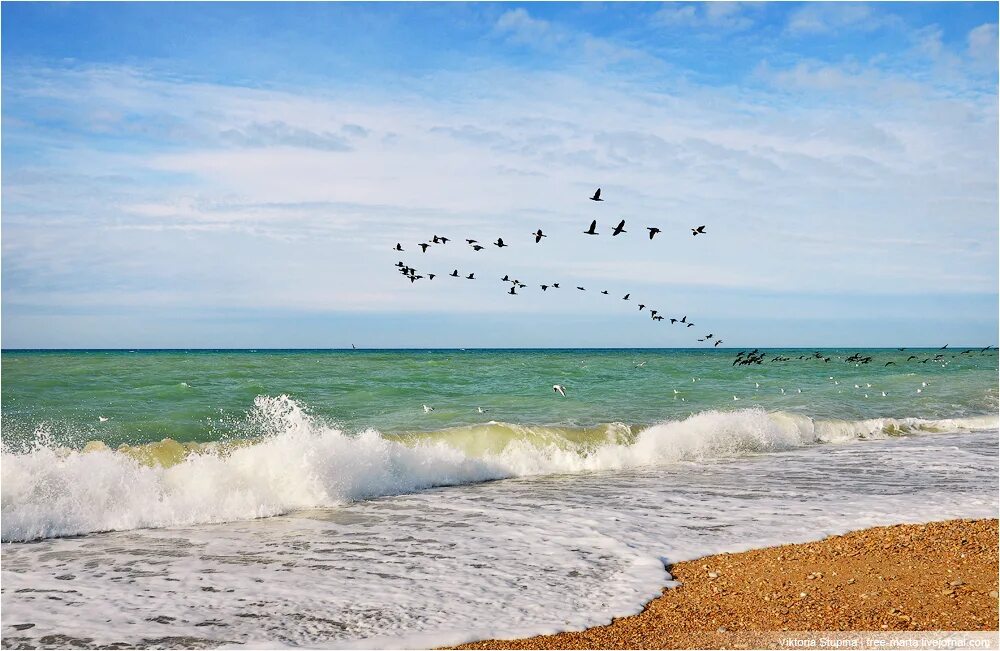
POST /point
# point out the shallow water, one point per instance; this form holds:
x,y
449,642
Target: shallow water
x,y
307,499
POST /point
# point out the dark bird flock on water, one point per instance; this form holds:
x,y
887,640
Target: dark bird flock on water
x,y
616,230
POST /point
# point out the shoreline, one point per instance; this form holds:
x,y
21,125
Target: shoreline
x,y
916,578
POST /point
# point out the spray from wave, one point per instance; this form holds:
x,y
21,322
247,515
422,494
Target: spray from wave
x,y
305,463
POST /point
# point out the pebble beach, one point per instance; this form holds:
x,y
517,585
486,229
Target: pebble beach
x,y
940,576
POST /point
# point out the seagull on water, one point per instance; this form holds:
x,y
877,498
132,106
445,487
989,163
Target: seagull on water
x,y
102,419
427,409
558,388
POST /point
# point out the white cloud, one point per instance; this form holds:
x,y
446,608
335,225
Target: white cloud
x,y
727,16
823,17
982,47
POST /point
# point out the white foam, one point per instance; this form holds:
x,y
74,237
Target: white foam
x,y
305,464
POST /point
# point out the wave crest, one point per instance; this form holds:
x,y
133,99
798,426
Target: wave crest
x,y
304,463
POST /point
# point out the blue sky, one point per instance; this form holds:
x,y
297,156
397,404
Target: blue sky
x,y
235,175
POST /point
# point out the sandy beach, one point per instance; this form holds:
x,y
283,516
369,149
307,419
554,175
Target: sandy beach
x,y
940,576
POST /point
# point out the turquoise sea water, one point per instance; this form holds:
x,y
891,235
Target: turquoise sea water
x,y
199,499
209,395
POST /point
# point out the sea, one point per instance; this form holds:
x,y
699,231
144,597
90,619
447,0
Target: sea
x,y
416,498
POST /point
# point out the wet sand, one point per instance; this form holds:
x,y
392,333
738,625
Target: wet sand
x,y
940,576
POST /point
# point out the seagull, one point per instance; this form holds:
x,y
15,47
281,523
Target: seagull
x,y
592,230
560,389
539,235
481,410
735,398
398,247
471,276
652,231
423,247
427,409
500,243
620,228
597,196
102,419
698,231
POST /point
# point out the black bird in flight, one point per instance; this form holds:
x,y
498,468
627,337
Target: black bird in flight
x,y
399,247
581,289
684,319
911,357
690,325
506,278
943,347
597,196
604,291
709,336
641,307
444,240
472,241
887,363
476,247
454,273
590,231
539,235
620,228
544,287
500,243
431,276
625,297
423,247
657,318
653,313
673,320
698,231
471,276
652,231
512,292
717,342
555,285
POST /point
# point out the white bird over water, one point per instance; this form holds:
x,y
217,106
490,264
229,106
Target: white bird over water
x,y
102,419
481,410
782,392
735,398
427,409
560,389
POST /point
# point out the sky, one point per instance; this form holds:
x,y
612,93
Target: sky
x,y
187,175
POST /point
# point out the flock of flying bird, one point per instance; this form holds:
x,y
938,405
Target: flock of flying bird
x,y
412,274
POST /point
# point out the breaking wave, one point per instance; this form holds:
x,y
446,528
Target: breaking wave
x,y
304,463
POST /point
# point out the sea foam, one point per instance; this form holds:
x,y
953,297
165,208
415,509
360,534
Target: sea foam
x,y
305,463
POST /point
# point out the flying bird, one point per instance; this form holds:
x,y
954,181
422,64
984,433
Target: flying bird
x,y
560,389
641,307
454,274
698,231
472,241
604,291
625,297
500,243
544,287
652,231
427,409
719,341
555,285
539,235
620,228
581,288
590,231
597,196
471,276
398,247
476,247
512,292
424,247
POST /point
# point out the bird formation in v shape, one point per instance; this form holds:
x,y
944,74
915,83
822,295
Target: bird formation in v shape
x,y
413,275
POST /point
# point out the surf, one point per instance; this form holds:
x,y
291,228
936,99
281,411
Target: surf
x,y
303,462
